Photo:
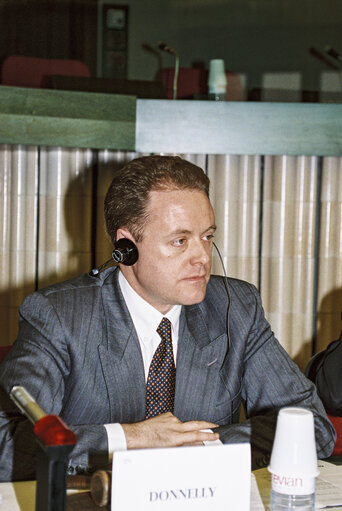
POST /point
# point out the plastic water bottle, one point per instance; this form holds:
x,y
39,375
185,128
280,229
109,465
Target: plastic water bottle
x,y
284,502
293,462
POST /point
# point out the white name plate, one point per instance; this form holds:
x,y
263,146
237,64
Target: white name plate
x,y
184,478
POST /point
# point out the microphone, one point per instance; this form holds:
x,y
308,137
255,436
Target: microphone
x,y
323,58
26,404
165,47
125,252
50,429
333,53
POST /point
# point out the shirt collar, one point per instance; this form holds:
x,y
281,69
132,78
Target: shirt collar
x,y
145,317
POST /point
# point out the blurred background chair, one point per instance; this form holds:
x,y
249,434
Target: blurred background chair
x,y
311,371
337,423
191,82
22,71
4,350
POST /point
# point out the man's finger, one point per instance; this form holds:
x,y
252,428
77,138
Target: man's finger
x,y
198,425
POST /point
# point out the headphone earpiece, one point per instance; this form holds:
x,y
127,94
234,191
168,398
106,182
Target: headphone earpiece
x,y
125,252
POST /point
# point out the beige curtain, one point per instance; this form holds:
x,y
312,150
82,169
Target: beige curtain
x,y
288,250
235,195
18,232
65,209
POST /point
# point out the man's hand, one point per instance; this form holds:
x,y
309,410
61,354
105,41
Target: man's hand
x,y
166,430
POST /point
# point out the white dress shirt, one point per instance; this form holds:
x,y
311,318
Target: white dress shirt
x,y
146,320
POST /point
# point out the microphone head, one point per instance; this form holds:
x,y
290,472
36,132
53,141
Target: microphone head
x,y
333,53
162,46
165,47
125,252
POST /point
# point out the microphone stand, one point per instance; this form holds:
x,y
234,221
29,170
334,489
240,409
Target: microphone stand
x,y
338,57
55,441
164,47
175,77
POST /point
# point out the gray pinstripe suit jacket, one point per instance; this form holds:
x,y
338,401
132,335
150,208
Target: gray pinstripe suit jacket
x,y
78,354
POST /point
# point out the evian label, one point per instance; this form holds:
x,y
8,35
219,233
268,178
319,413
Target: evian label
x,y
293,485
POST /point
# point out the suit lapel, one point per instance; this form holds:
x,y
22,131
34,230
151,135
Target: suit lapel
x,y
200,356
121,357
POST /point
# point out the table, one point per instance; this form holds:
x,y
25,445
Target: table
x,y
21,496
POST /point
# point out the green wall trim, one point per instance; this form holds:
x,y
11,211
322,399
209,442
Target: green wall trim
x,y
215,127
67,119
108,121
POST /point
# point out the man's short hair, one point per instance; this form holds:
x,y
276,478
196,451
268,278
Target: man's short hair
x,y
127,198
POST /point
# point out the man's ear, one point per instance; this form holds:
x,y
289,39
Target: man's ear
x,y
124,233
125,250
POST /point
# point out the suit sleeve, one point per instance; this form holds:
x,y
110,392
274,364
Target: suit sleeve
x,y
271,380
40,361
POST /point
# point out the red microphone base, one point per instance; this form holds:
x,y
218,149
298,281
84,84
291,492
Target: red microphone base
x,y
55,441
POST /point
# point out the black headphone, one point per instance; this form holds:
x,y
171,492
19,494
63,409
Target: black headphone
x,y
125,252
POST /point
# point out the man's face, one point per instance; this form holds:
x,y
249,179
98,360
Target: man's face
x,y
175,253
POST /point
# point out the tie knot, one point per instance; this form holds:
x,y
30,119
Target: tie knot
x,y
164,328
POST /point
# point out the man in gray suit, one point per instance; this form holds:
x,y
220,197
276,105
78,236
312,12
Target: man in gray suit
x,y
85,346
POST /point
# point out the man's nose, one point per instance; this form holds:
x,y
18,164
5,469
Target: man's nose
x,y
200,252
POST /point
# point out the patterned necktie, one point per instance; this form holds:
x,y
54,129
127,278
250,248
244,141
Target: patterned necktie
x,y
160,388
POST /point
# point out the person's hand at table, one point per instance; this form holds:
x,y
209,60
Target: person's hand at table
x,y
166,430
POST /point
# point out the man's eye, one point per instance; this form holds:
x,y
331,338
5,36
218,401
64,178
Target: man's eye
x,y
179,242
208,237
